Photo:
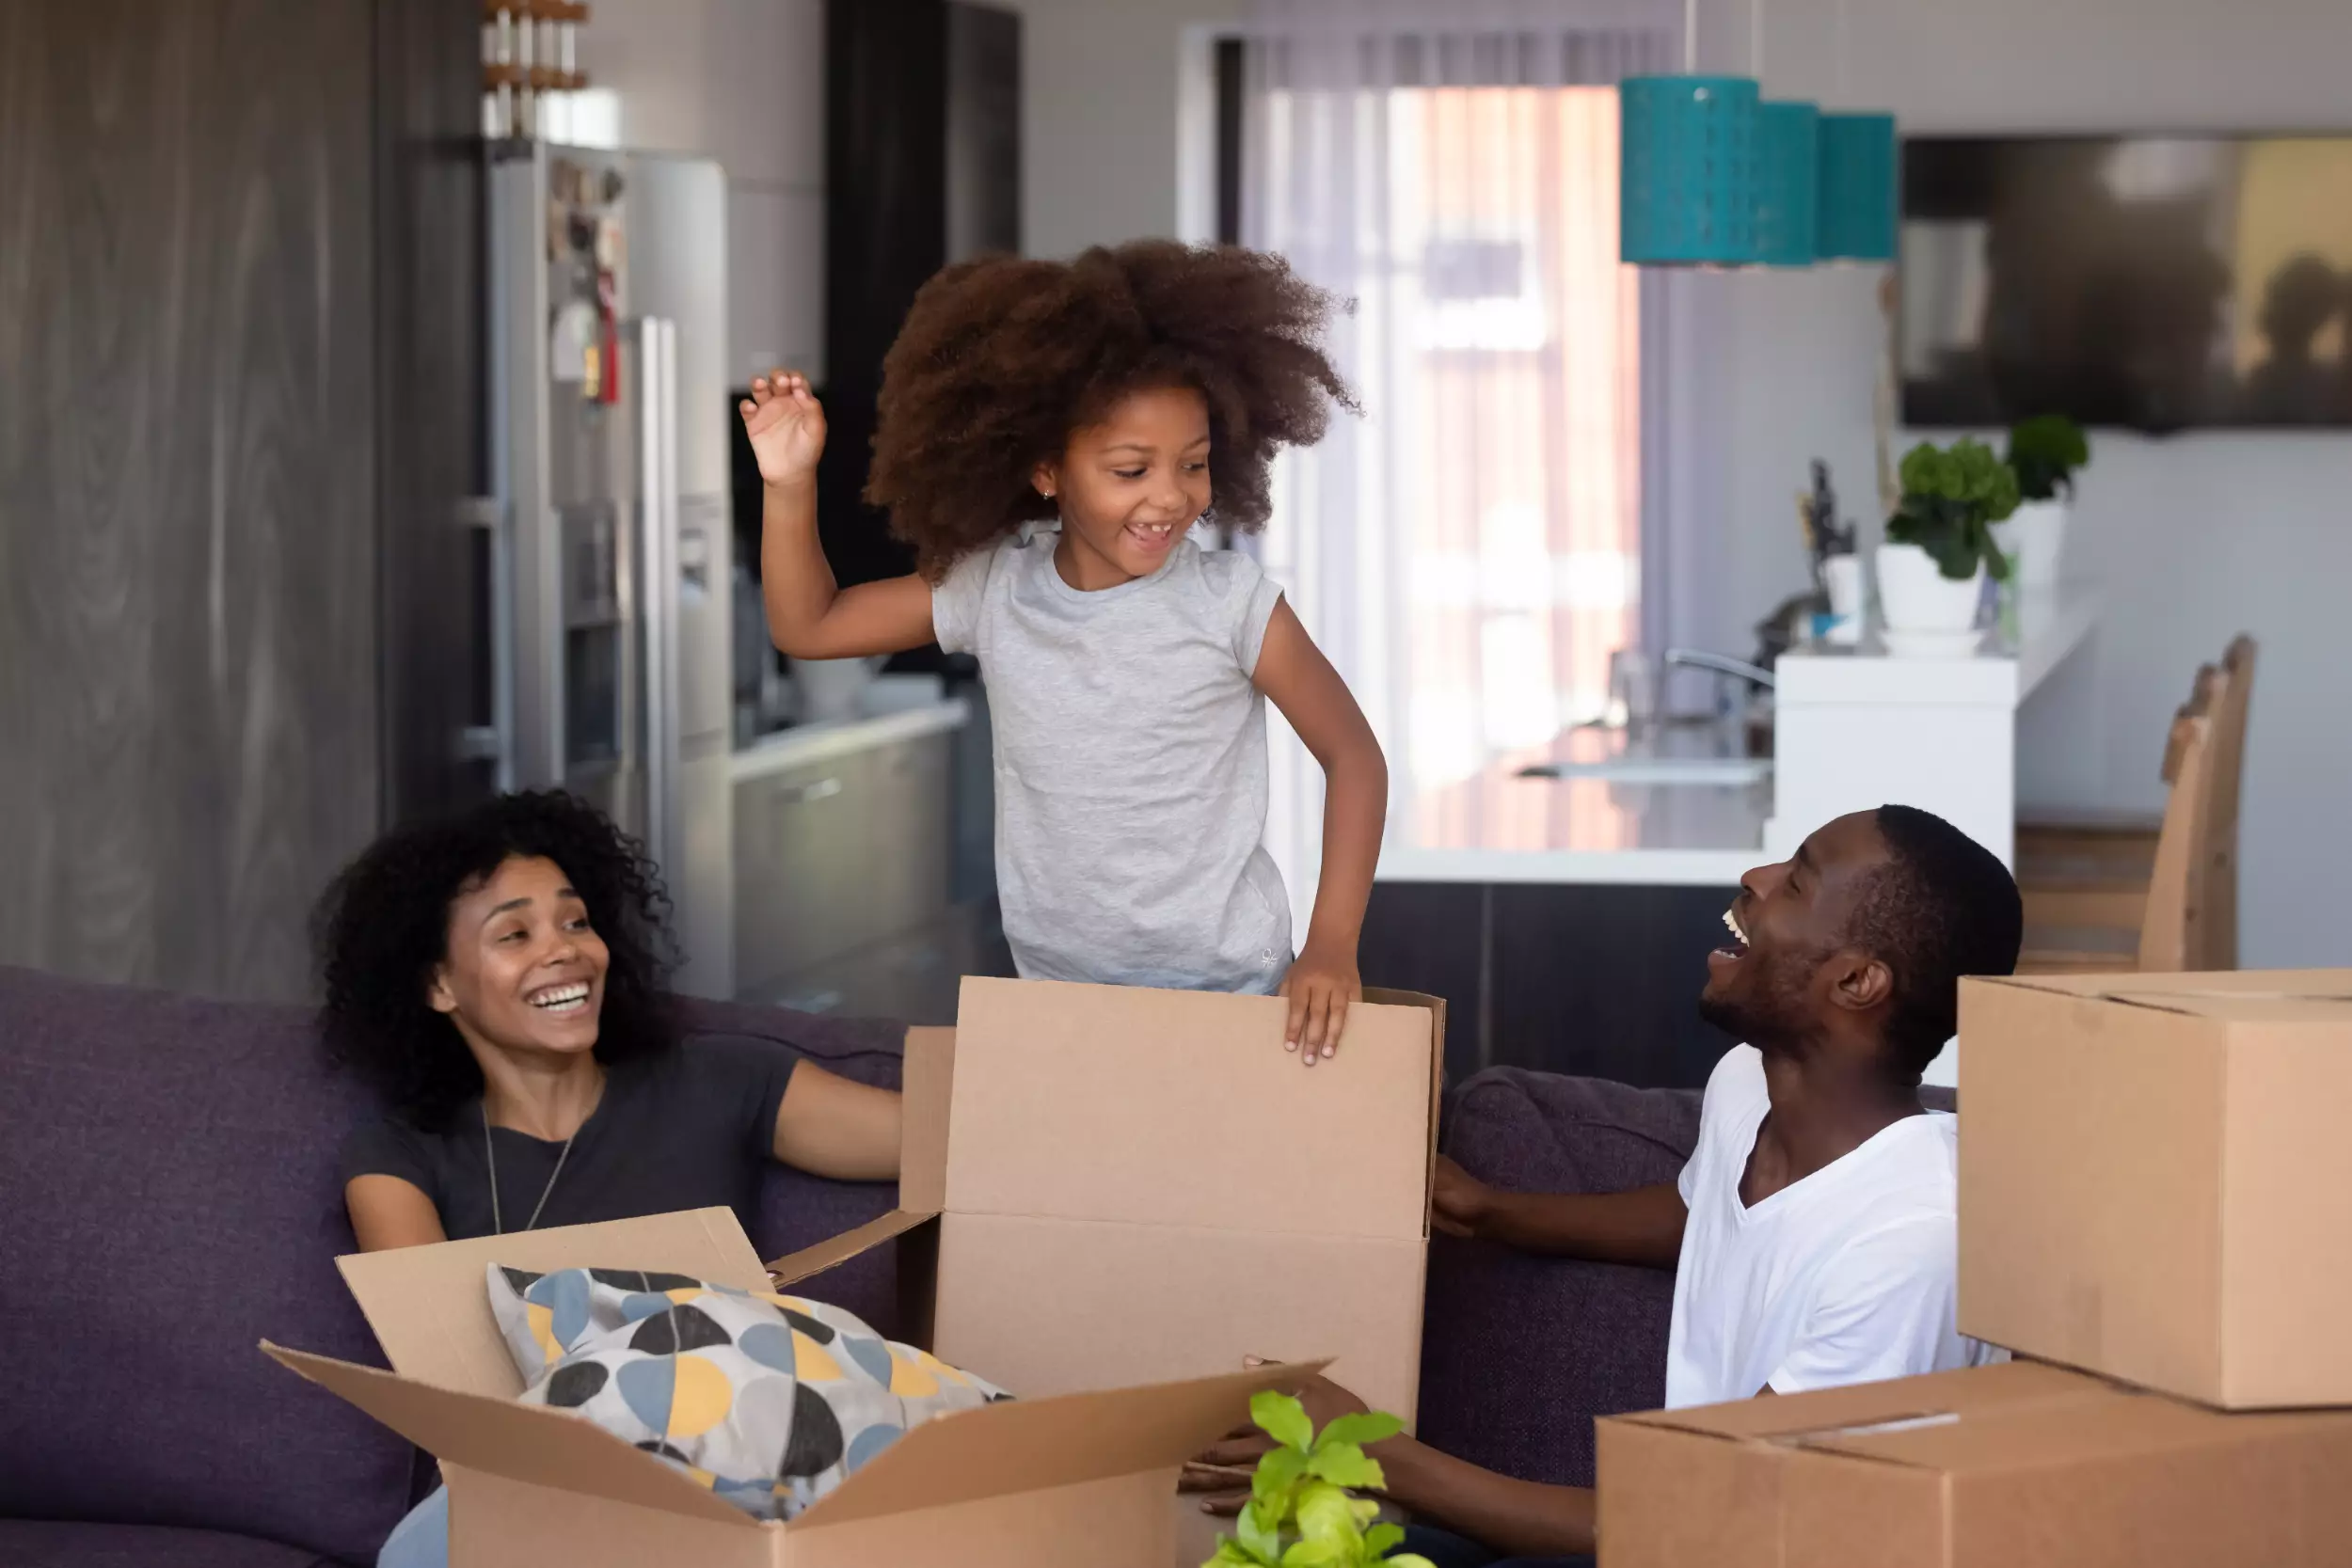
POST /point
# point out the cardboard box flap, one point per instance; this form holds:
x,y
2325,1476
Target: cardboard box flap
x,y
2284,995
2093,1423
1090,1103
2243,1006
2014,1415
809,1260
1026,1445
1803,1418
926,1078
432,1315
522,1442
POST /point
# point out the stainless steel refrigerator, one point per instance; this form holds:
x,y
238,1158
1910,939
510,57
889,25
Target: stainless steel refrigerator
x,y
609,599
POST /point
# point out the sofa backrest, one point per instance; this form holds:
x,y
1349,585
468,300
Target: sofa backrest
x,y
168,1199
169,1165
797,1210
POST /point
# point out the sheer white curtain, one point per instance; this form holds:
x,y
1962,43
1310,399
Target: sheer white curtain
x,y
1471,551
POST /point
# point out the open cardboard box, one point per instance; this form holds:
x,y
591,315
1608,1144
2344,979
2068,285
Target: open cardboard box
x,y
2155,1180
2005,1466
1105,1185
1081,1479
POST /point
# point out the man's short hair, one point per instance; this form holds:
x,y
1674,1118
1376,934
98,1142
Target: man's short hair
x,y
1941,906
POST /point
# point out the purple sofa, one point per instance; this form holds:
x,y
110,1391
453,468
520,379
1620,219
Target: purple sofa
x,y
166,1200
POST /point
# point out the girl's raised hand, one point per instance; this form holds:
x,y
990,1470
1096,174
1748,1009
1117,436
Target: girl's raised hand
x,y
786,426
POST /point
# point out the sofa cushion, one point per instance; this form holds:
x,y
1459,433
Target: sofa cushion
x,y
1520,1353
797,1209
187,1147
38,1543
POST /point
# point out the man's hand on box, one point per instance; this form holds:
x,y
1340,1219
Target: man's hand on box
x,y
1458,1202
1221,1473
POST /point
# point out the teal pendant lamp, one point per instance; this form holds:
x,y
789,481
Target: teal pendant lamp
x,y
1687,170
1788,182
1858,188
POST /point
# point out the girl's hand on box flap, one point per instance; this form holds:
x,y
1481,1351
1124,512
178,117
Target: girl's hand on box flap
x,y
1321,987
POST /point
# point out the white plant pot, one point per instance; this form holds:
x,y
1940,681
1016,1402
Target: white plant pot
x,y
1916,597
2034,539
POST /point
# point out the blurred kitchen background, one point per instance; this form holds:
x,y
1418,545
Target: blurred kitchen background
x,y
367,444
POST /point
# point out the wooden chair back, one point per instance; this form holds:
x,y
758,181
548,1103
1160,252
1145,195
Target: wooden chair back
x,y
2178,923
2231,710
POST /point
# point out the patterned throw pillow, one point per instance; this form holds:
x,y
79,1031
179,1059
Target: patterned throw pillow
x,y
769,1401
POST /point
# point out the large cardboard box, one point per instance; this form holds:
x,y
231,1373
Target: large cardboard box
x,y
2155,1178
1082,1479
1107,1187
2016,1466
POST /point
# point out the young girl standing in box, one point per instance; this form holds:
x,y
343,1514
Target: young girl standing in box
x,y
1050,433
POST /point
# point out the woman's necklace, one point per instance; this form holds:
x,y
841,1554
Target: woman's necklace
x,y
490,1153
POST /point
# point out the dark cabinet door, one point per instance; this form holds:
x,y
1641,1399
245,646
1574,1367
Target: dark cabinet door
x,y
1601,981
1604,982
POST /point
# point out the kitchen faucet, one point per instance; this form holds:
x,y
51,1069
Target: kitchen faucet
x,y
1737,692
1740,668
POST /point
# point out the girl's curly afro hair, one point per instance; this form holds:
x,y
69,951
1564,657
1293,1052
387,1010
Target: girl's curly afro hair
x,y
1001,358
383,929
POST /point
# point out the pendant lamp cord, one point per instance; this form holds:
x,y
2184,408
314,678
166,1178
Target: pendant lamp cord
x,y
1842,51
1690,38
1755,41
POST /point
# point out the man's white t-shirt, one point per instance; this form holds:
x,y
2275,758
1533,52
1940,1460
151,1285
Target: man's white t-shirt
x,y
1848,1276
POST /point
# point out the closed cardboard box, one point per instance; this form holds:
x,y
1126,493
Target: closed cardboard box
x,y
1107,1186
1080,1480
2017,1466
2155,1180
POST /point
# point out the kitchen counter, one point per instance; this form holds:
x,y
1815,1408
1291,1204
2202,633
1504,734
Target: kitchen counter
x,y
1681,809
1858,727
804,744
1566,916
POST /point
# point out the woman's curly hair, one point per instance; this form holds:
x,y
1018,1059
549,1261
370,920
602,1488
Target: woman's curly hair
x,y
1002,359
383,927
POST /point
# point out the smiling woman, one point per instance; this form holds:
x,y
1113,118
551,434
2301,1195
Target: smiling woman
x,y
497,977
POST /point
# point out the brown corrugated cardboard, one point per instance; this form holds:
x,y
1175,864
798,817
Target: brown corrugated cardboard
x,y
2015,1465
2155,1182
1020,1482
1144,1185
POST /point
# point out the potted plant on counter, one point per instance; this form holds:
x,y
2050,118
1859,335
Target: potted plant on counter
x,y
2044,452
1940,548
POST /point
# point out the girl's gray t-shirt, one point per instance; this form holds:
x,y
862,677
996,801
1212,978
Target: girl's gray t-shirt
x,y
1130,766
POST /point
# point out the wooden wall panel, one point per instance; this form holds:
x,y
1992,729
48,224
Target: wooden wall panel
x,y
188,618
430,418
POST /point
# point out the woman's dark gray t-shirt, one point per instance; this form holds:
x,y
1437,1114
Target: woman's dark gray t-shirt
x,y
693,1128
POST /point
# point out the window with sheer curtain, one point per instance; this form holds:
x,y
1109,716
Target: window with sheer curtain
x,y
1471,551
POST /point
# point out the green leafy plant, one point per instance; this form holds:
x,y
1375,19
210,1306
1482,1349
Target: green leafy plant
x,y
1301,1511
1952,495
2045,450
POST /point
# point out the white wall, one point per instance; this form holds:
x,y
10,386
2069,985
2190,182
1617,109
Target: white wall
x,y
741,81
1098,124
2195,537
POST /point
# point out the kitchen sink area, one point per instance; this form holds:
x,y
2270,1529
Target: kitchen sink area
x,y
1701,752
